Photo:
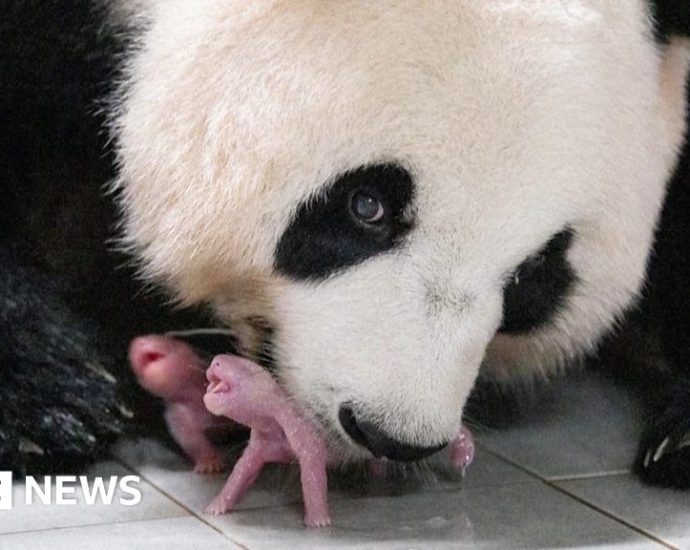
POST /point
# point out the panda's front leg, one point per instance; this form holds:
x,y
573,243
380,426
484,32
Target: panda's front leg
x,y
664,454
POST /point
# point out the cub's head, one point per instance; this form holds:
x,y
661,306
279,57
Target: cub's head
x,y
382,196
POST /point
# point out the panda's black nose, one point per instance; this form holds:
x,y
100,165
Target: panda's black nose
x,y
378,442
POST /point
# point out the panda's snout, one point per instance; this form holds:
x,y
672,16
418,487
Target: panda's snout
x,y
378,442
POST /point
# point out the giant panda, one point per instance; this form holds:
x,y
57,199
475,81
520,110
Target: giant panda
x,y
388,201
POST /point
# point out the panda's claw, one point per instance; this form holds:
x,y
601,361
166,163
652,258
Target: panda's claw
x,y
665,461
647,459
661,449
664,454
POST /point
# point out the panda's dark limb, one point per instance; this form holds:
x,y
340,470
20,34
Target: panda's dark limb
x,y
664,454
60,405
664,316
55,417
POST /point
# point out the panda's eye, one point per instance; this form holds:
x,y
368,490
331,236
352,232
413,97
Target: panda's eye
x,y
366,208
358,215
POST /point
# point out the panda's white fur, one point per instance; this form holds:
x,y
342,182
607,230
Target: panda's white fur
x,y
515,118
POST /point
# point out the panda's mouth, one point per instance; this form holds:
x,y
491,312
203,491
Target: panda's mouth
x,y
317,406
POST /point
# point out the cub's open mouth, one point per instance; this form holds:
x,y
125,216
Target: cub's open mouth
x,y
216,384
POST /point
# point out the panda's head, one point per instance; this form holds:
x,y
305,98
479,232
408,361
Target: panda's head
x,y
381,196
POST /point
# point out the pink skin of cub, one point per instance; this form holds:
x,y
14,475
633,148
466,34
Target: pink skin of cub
x,y
169,368
246,393
462,449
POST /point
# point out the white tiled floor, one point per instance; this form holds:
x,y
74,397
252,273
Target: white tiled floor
x,y
590,427
555,480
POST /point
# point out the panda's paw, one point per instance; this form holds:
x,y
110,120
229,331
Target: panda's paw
x,y
56,417
666,462
664,455
61,401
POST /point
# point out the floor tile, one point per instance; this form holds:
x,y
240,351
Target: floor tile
x,y
435,474
167,534
171,473
663,513
280,485
529,515
587,426
23,517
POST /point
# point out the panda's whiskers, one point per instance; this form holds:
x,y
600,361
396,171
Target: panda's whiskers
x,y
425,474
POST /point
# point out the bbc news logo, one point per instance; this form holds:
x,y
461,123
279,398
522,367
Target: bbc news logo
x,y
63,490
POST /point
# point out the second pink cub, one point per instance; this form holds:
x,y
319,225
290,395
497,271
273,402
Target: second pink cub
x,y
169,369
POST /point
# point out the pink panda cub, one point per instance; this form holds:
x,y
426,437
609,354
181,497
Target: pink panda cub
x,y
170,369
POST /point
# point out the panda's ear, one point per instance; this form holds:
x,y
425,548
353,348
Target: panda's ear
x,y
671,17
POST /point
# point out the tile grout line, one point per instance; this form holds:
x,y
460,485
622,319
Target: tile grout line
x,y
87,525
553,479
582,477
524,469
611,516
180,504
590,505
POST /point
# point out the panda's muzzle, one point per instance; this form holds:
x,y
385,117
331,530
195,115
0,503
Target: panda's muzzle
x,y
378,442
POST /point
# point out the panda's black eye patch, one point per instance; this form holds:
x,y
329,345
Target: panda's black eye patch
x,y
539,287
363,213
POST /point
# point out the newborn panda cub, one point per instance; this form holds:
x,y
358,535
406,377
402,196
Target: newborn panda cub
x,y
169,369
246,393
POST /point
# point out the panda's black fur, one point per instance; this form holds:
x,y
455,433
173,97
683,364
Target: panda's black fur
x,y
69,304
664,316
671,17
